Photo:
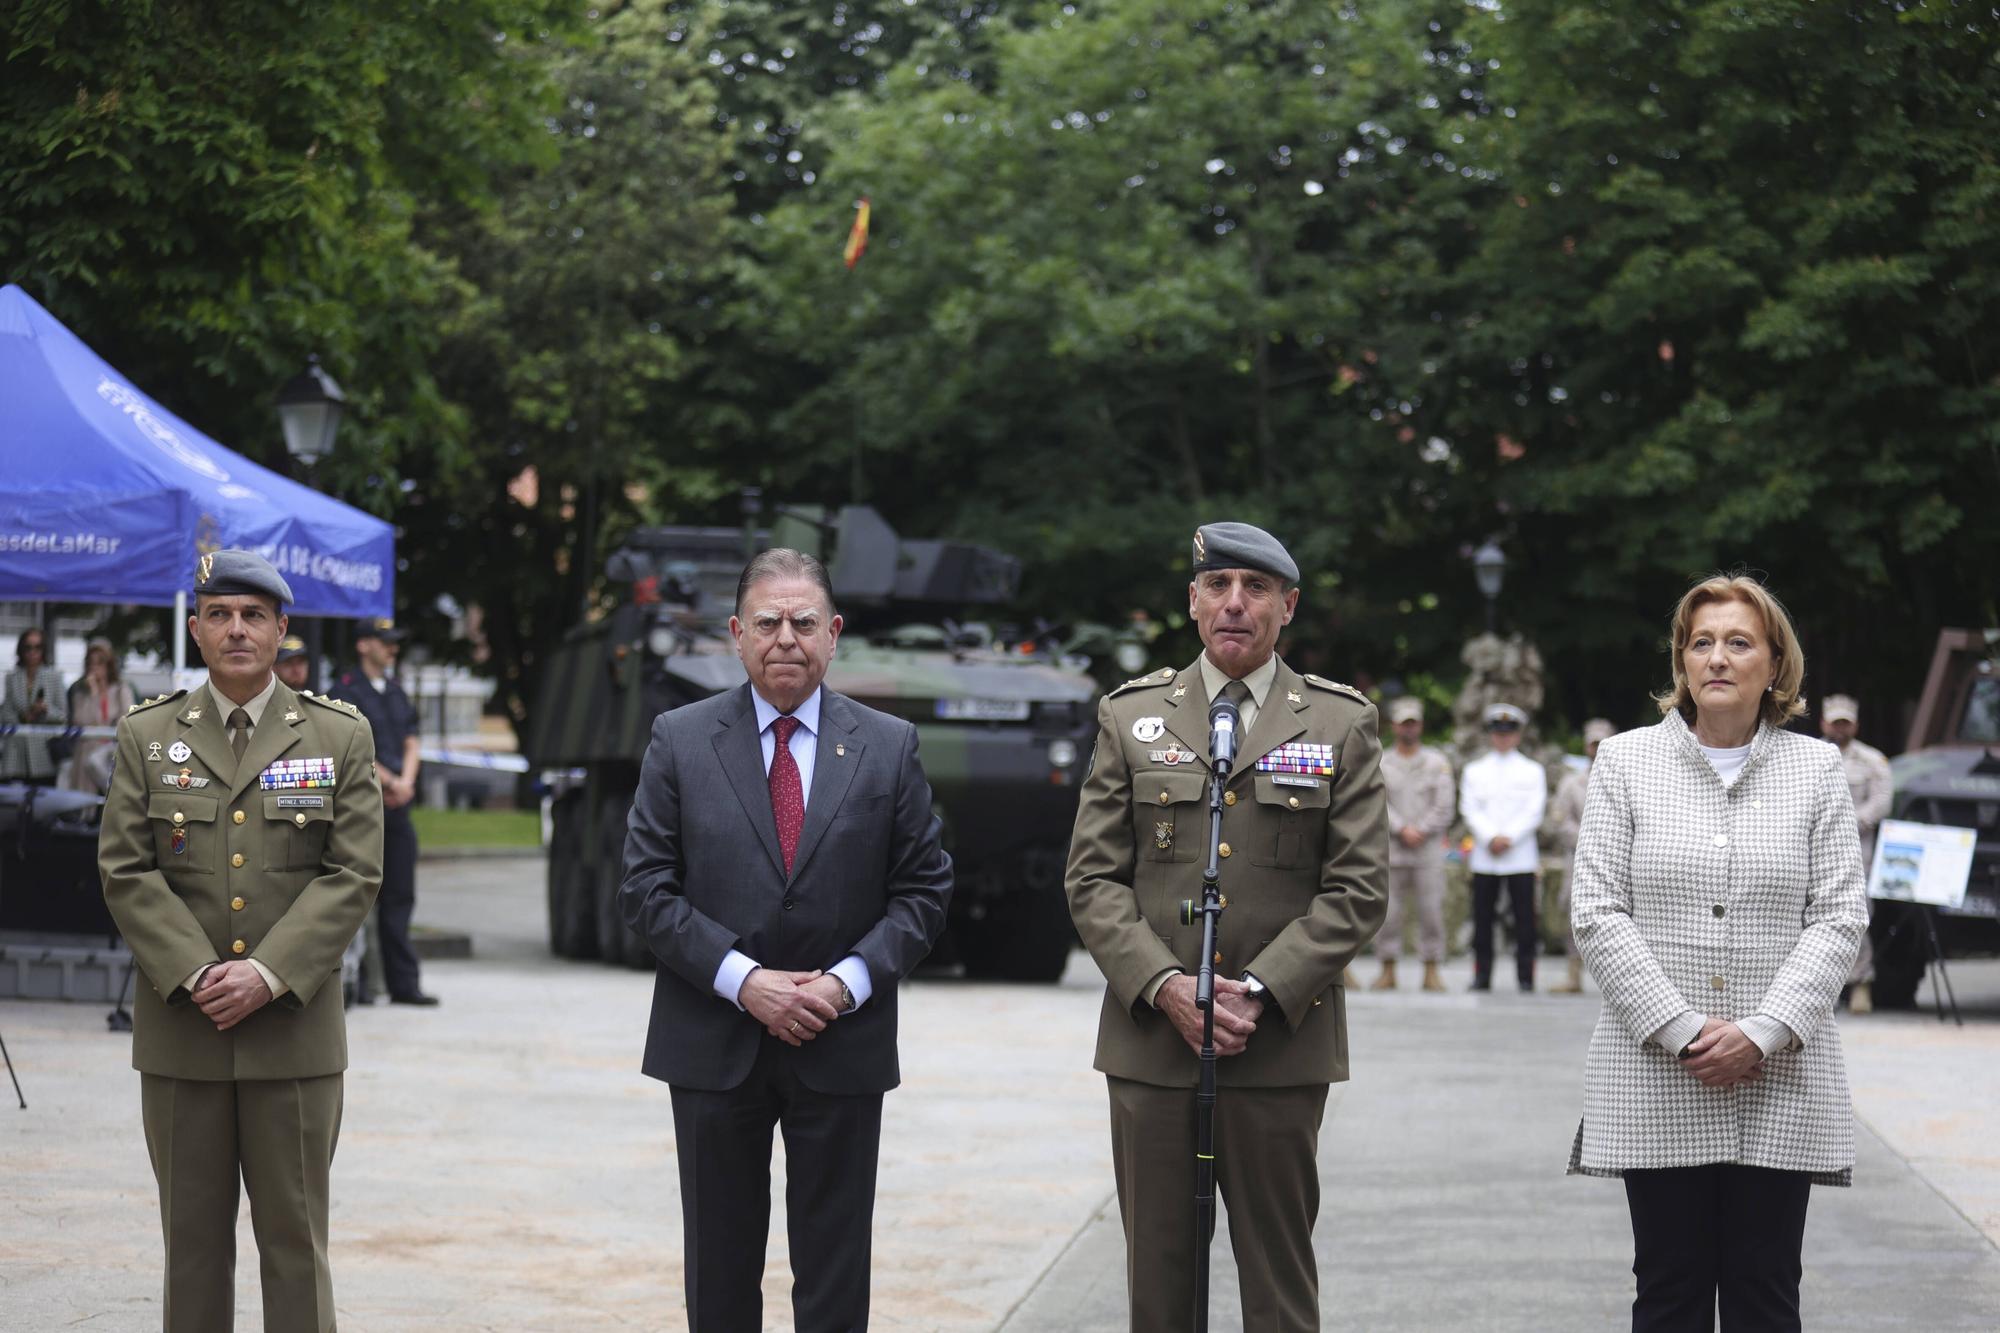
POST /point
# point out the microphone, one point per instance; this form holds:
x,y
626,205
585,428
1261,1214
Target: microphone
x,y
1222,720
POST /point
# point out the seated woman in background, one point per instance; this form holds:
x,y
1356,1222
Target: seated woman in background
x,y
1719,904
98,699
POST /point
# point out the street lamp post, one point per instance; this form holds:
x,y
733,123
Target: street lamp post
x,y
309,410
1489,567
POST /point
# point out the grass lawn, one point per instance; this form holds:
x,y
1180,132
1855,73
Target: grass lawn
x,y
477,828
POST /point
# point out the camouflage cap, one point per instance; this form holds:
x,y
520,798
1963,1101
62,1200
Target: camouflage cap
x,y
1241,546
291,646
1598,729
1408,708
237,572
1839,708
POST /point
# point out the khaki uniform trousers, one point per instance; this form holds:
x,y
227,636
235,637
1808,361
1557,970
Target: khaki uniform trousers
x,y
1425,884
277,1136
1266,1170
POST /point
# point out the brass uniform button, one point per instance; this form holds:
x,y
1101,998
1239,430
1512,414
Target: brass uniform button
x,y
179,818
1223,849
1229,798
300,820
238,816
1293,802
1163,797
1716,982
237,860
235,904
238,947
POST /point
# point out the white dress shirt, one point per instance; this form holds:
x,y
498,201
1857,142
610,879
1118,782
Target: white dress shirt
x,y
737,965
1503,796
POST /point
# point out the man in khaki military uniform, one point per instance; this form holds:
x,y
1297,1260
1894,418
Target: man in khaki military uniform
x,y
240,849
1869,783
1303,869
1564,823
1423,797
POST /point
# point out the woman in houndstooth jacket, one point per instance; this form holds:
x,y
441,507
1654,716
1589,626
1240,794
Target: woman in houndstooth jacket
x,y
1719,904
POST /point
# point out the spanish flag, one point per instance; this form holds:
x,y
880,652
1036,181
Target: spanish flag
x,y
857,235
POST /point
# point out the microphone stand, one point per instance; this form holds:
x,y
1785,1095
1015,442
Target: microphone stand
x,y
1210,910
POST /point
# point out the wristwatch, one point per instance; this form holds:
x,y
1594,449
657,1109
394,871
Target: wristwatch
x,y
846,997
1258,989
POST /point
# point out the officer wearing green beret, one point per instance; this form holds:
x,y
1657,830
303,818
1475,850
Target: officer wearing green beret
x,y
240,849
1304,862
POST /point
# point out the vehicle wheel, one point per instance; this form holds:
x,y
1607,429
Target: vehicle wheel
x,y
615,941
1899,957
1024,935
572,924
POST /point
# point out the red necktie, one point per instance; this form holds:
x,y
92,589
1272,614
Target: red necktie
x,y
788,797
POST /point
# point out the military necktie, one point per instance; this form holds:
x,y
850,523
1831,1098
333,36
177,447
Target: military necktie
x,y
788,796
1239,694
239,733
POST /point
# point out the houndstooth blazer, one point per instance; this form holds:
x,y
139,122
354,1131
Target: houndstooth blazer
x,y
1730,902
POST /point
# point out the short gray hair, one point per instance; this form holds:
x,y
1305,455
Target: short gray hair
x,y
782,562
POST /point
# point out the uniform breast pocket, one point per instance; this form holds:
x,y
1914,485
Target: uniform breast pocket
x,y
1291,825
296,829
184,836
1167,815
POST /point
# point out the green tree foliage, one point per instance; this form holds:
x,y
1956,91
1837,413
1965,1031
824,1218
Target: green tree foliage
x,y
1741,308
567,343
209,191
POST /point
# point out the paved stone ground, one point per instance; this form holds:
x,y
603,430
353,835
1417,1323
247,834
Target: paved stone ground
x,y
504,1166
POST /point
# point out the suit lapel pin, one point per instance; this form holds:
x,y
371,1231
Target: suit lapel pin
x,y
1292,697
839,749
291,715
194,715
1179,691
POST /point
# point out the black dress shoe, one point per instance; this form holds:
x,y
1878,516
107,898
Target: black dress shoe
x,y
417,997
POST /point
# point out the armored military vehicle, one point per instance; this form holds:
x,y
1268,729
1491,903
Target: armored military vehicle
x,y
1948,773
1005,728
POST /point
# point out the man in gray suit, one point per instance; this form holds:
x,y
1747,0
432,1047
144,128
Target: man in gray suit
x,y
783,863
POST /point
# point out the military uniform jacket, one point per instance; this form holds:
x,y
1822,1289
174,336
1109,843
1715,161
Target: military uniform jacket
x,y
203,862
1729,902
1305,876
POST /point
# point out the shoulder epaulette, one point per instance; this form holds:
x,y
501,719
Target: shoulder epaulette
x,y
1323,683
1160,677
337,705
156,699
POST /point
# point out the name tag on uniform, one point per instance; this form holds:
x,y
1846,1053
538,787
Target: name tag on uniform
x,y
302,802
1293,780
290,774
1304,757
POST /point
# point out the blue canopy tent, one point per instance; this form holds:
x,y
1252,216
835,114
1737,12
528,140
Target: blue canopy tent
x,y
105,496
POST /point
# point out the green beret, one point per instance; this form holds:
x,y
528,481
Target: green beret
x,y
1240,546
236,573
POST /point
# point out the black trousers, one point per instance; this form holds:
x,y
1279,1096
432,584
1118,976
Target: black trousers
x,y
1520,891
724,1147
1703,1232
398,901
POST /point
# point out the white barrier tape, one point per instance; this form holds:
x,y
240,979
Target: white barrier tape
x,y
10,729
503,763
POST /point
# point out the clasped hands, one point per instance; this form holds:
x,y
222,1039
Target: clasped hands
x,y
1722,1057
794,1007
230,992
1236,1013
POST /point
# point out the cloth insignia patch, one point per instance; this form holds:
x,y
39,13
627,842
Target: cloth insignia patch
x,y
1293,780
1301,757
295,773
305,802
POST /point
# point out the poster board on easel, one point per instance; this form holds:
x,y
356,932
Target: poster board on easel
x,y
1921,863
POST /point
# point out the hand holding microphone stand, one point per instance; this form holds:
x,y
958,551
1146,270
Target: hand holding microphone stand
x,y
1222,728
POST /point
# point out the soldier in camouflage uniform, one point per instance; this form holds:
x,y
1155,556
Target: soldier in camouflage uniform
x,y
1869,783
1423,797
1565,821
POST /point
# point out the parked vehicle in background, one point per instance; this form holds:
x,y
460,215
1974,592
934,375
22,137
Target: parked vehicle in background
x,y
1948,773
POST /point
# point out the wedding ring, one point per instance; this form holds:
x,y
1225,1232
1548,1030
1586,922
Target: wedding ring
x,y
795,1025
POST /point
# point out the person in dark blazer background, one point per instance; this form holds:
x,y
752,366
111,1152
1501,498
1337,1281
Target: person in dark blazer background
x,y
783,863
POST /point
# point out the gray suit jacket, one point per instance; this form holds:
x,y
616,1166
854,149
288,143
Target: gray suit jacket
x,y
703,875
